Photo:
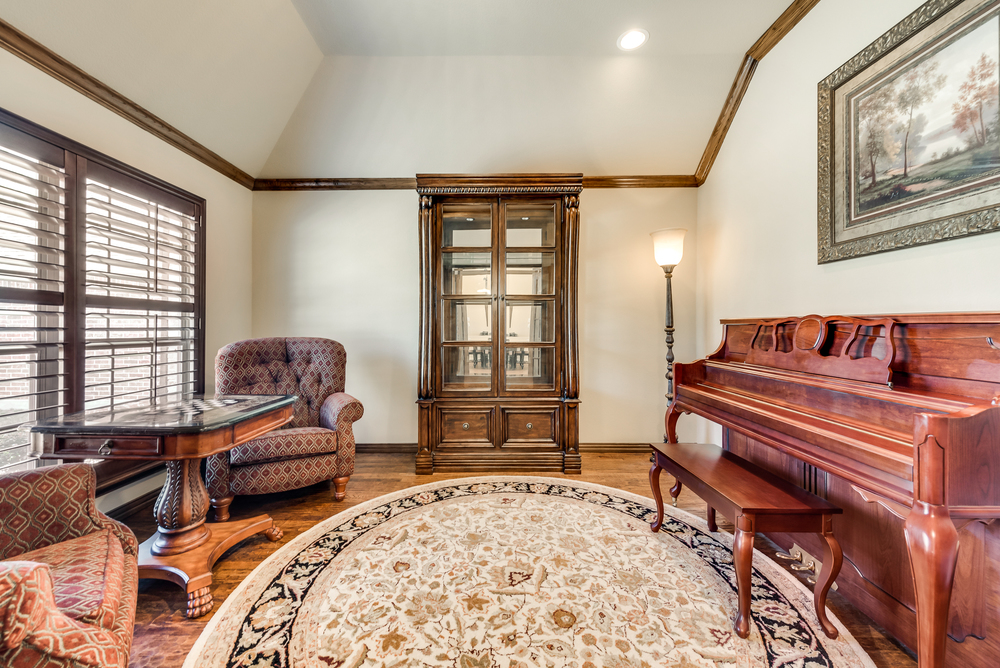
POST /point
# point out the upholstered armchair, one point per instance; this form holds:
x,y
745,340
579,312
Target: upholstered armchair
x,y
317,445
68,574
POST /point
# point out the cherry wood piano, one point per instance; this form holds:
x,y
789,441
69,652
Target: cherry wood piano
x,y
896,420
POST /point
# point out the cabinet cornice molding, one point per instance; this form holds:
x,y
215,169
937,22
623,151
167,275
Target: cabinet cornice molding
x,y
499,184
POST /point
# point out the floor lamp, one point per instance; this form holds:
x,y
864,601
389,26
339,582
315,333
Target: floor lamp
x,y
668,247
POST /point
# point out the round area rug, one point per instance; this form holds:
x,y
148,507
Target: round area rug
x,y
513,572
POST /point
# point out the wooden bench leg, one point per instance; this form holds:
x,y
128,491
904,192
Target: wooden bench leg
x,y
743,563
833,559
712,526
654,485
675,491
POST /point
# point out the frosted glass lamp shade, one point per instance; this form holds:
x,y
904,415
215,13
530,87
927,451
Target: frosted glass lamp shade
x,y
668,246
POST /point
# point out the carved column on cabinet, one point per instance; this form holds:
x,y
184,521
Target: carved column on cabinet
x,y
571,363
425,383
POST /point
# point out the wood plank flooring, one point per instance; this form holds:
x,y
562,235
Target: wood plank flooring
x,y
163,635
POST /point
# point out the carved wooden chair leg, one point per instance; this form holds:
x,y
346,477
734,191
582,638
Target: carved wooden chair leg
x,y
833,559
712,526
339,488
654,486
743,563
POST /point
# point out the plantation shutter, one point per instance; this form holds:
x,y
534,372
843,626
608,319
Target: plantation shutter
x,y
141,282
33,258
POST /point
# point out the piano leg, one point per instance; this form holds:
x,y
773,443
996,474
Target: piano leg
x,y
833,559
654,486
670,424
743,563
932,541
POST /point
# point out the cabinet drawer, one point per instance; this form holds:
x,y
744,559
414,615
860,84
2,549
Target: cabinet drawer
x,y
466,425
530,425
90,446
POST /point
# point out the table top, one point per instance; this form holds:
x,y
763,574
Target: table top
x,y
190,415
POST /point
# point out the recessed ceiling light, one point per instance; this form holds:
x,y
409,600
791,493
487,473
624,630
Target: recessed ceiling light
x,y
632,39
470,219
524,218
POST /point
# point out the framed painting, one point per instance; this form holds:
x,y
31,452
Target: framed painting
x,y
909,134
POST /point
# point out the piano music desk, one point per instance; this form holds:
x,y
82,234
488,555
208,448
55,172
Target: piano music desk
x,y
754,500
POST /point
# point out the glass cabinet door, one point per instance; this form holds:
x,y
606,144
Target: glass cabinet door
x,y
468,297
529,279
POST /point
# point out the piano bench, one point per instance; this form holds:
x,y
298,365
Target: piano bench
x,y
754,500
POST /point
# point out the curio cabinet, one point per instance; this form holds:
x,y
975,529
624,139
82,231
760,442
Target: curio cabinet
x,y
498,380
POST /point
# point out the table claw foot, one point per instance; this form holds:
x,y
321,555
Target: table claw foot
x,y
274,534
199,602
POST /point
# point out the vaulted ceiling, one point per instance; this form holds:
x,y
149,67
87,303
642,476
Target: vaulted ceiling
x,y
291,87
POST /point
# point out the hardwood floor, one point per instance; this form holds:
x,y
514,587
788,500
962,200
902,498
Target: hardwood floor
x,y
163,635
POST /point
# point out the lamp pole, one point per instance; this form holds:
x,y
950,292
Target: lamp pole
x,y
668,330
668,249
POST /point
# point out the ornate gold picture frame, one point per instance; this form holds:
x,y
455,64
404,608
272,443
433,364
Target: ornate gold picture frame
x,y
909,134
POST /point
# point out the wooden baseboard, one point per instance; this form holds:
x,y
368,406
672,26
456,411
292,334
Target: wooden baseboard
x,y
390,448
411,448
614,447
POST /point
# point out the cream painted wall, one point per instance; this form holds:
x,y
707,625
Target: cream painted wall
x,y
757,211
28,92
622,309
343,265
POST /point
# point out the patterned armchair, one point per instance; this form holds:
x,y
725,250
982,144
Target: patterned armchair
x,y
318,444
68,574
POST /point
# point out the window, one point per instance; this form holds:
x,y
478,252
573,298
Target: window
x,y
101,287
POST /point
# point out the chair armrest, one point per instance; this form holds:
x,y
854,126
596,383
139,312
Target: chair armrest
x,y
25,598
33,628
340,410
51,504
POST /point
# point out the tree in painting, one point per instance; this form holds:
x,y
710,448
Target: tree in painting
x,y
919,86
977,94
876,116
930,126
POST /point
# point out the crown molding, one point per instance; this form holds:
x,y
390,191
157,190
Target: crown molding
x,y
781,27
54,65
26,48
335,184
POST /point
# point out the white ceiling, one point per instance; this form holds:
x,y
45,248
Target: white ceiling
x,y
534,27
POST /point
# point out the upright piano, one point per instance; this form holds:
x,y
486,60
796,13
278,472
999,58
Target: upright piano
x,y
896,419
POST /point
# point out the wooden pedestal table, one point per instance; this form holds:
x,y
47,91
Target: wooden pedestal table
x,y
181,433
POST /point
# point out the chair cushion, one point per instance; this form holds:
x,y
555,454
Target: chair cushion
x,y
87,574
285,444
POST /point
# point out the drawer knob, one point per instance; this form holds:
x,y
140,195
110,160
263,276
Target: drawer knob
x,y
105,448
528,426
465,426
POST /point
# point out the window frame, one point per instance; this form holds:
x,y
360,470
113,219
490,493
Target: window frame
x,y
76,160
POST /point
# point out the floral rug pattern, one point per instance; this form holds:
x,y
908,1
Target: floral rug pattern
x,y
513,572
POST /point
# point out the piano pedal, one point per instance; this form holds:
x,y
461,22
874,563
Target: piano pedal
x,y
796,555
805,563
808,567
